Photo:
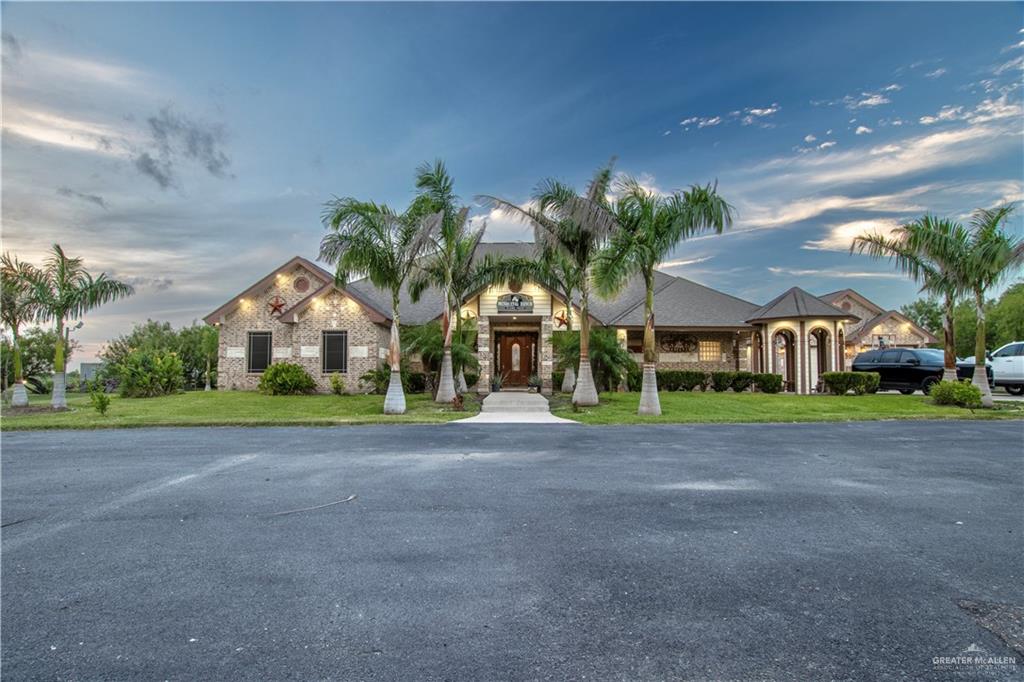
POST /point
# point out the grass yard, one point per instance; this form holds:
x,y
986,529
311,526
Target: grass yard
x,y
230,408
684,408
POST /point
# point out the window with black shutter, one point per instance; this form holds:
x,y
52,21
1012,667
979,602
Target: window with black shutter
x,y
259,351
335,352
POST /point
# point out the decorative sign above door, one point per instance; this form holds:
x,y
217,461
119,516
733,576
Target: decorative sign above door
x,y
515,303
677,343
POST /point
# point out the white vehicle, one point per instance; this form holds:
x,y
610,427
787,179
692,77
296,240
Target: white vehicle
x,y
1007,366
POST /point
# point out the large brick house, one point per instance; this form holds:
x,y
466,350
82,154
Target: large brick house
x,y
297,314
877,327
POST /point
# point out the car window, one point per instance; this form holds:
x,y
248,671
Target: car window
x,y
907,356
869,356
1006,351
1018,350
890,356
931,355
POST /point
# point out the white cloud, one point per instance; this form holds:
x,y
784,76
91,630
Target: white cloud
x,y
827,145
62,131
755,115
794,211
839,237
1014,64
869,99
894,87
683,262
809,138
834,272
864,130
936,73
715,120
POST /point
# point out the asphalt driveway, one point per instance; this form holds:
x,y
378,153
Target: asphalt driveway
x,y
813,551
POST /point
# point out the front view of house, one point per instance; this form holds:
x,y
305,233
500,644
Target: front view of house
x,y
298,314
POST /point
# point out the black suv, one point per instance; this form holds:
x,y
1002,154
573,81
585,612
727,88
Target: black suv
x,y
906,369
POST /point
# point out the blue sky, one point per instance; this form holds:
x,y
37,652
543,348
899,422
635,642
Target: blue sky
x,y
188,148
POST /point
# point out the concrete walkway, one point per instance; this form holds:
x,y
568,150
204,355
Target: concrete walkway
x,y
514,407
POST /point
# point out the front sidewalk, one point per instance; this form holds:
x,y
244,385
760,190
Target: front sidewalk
x,y
515,407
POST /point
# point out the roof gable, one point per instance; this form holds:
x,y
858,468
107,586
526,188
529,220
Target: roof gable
x,y
835,296
868,327
796,303
297,261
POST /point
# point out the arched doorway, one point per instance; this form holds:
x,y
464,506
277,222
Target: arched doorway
x,y
818,355
784,357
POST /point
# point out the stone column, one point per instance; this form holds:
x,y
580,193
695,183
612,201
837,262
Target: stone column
x,y
547,357
483,355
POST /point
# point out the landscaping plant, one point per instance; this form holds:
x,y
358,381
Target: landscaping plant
x,y
959,393
722,381
742,380
63,290
337,384
768,383
146,373
648,227
386,246
100,400
286,378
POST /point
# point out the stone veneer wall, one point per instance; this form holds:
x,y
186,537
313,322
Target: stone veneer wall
x,y
334,312
483,355
727,341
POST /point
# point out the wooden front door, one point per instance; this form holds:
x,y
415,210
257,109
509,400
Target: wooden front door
x,y
515,358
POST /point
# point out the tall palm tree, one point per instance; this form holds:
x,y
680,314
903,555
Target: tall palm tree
x,y
577,225
17,307
650,226
928,250
209,344
989,255
374,240
435,185
63,290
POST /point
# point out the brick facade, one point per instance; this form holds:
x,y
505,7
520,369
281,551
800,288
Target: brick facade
x,y
727,353
333,311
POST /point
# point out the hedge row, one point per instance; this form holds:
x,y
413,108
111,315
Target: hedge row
x,y
689,380
841,383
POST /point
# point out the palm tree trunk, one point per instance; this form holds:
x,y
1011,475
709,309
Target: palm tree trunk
x,y
394,400
980,359
446,383
949,356
585,394
569,379
19,396
208,364
58,399
649,401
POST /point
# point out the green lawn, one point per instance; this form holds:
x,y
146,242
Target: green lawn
x,y
683,408
230,408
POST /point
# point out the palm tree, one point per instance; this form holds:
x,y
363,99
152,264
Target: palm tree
x,y
209,344
989,254
577,225
928,250
62,290
650,227
435,184
384,245
17,307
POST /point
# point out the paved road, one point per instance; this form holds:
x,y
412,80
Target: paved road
x,y
508,552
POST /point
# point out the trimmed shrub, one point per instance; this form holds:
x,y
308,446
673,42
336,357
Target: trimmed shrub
x,y
841,383
681,380
472,378
286,378
145,373
556,380
377,379
768,383
959,393
867,382
337,384
741,381
722,381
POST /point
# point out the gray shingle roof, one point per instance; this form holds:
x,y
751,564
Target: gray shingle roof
x,y
679,302
797,303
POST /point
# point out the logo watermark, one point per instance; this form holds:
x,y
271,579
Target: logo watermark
x,y
974,657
